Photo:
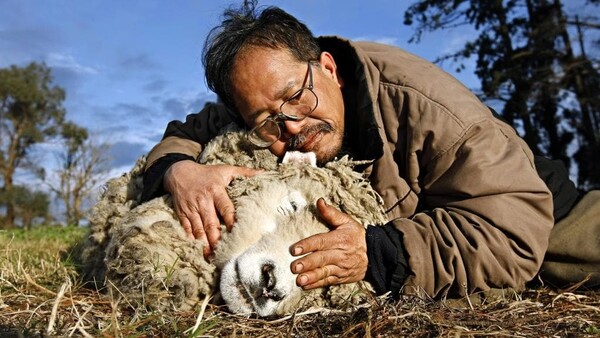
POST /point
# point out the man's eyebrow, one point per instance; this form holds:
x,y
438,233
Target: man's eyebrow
x,y
289,86
255,114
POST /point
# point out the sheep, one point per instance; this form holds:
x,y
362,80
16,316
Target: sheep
x,y
143,251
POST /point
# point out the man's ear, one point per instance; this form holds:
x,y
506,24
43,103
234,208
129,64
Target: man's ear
x,y
330,68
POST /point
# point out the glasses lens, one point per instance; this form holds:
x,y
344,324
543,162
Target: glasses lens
x,y
264,134
300,105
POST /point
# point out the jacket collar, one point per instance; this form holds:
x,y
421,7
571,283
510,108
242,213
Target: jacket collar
x,y
361,135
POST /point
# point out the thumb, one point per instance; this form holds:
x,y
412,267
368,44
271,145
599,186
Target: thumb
x,y
246,172
332,216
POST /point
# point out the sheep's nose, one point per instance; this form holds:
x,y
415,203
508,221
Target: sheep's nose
x,y
269,283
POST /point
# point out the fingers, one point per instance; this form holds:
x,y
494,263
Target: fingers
x,y
320,259
310,244
332,216
223,204
329,275
193,226
246,172
211,227
338,256
225,208
200,198
329,267
187,226
201,222
323,276
333,239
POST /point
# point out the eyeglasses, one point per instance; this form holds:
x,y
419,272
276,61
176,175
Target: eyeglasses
x,y
298,107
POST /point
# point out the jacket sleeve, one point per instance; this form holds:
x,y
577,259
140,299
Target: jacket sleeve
x,y
485,216
187,137
182,141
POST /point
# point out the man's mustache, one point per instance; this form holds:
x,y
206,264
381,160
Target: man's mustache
x,y
298,140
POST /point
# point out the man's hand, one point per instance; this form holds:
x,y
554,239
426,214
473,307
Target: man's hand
x,y
200,197
335,257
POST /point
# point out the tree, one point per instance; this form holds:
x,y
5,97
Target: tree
x,y
525,60
82,165
30,205
30,112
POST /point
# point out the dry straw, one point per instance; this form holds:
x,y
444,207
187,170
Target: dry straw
x,y
41,296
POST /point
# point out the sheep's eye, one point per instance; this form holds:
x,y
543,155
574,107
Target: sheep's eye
x,y
292,203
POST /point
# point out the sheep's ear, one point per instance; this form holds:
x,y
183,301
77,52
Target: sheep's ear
x,y
300,157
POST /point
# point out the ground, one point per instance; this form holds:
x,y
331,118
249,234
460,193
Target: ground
x,y
41,295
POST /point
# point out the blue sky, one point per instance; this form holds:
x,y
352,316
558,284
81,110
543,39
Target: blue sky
x,y
129,67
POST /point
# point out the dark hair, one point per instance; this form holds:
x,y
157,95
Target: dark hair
x,y
271,27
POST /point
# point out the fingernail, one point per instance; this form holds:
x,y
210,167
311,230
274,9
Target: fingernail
x,y
303,279
297,250
299,267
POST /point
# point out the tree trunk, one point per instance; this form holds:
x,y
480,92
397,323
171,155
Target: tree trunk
x,y
575,69
8,221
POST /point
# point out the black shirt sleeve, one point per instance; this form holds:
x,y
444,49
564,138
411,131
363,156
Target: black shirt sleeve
x,y
388,260
555,175
153,176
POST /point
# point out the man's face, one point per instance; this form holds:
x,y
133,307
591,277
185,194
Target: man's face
x,y
263,78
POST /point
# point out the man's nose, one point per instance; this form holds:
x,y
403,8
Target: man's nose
x,y
292,127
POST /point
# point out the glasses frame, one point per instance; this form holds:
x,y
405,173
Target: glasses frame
x,y
281,117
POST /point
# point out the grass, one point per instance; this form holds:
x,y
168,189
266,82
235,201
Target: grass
x,y
41,295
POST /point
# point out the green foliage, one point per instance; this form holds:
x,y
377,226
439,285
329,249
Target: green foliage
x,y
74,136
31,107
29,204
30,112
526,58
592,330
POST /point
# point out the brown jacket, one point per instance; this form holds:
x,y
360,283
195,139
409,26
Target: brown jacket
x,y
458,183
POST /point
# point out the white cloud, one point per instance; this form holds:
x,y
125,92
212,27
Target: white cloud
x,y
69,62
386,40
456,42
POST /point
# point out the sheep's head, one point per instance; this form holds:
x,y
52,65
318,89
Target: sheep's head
x,y
254,258
274,210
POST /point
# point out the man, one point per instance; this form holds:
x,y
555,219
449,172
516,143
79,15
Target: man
x,y
467,209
